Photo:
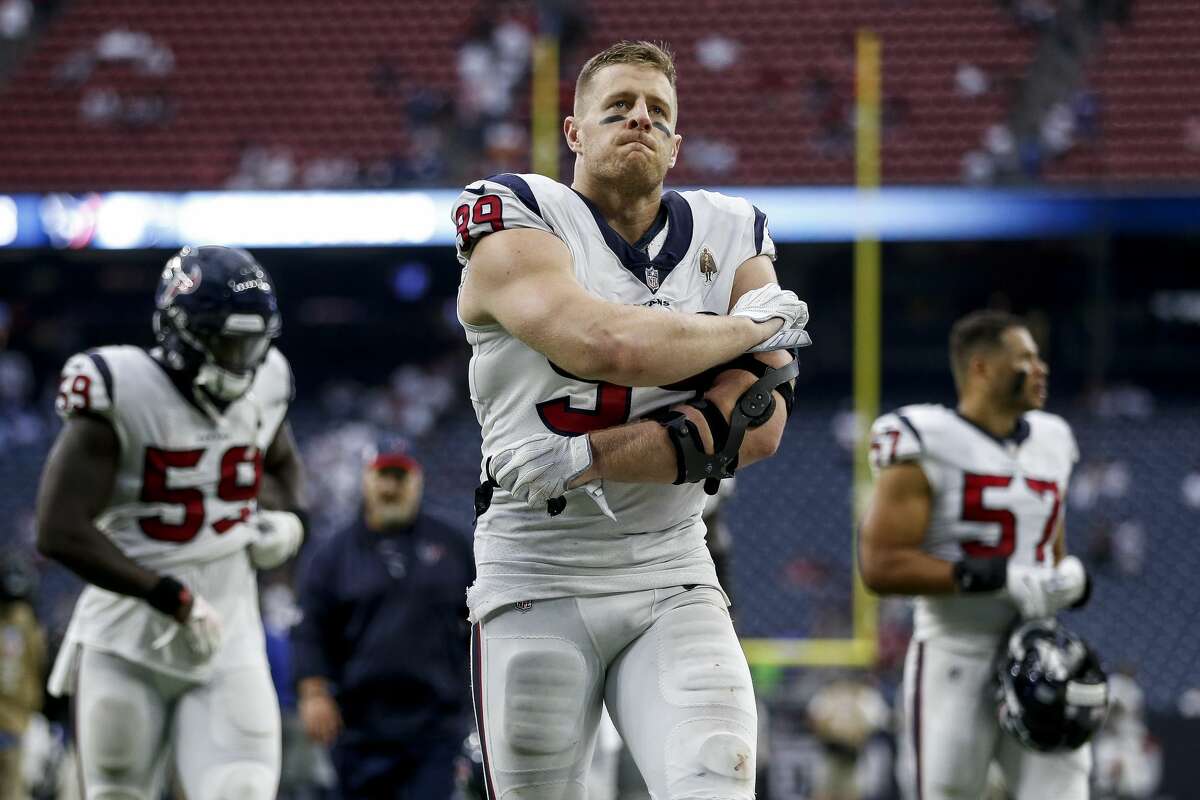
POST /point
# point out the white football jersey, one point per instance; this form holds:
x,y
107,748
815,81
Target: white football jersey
x,y
991,497
185,484
684,264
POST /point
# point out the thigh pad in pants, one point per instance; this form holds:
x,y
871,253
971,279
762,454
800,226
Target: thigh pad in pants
x,y
685,702
120,717
545,687
228,737
537,681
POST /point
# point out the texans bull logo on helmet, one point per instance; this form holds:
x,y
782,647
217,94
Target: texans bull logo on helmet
x,y
176,281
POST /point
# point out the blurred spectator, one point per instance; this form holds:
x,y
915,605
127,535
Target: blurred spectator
x,y
970,80
19,424
1128,760
22,658
381,652
263,167
1123,401
1129,547
147,55
849,717
1190,490
141,102
1099,480
716,158
330,172
15,18
492,63
717,53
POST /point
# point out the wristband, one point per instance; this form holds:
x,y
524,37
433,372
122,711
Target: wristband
x,y
972,575
169,596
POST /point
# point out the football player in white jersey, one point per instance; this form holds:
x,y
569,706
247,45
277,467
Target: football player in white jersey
x,y
581,303
967,515
151,495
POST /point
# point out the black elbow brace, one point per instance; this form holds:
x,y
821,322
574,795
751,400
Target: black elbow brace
x,y
752,409
769,380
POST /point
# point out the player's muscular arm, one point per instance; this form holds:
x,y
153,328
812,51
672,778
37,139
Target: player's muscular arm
x,y
889,545
281,520
643,453
283,485
76,484
522,280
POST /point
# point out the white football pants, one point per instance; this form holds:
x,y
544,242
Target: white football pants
x,y
665,662
224,734
950,733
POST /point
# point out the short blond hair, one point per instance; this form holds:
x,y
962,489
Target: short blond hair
x,y
642,54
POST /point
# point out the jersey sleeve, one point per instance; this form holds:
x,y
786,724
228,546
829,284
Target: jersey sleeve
x,y
894,440
85,387
764,245
1071,443
501,202
276,388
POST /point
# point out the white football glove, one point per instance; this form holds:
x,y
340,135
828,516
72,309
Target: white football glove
x,y
539,467
786,339
772,302
277,537
1043,591
201,632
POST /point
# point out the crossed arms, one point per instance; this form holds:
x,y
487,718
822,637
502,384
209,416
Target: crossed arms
x,y
522,280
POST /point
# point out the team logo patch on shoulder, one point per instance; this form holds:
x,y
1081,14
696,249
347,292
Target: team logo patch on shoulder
x,y
524,606
708,265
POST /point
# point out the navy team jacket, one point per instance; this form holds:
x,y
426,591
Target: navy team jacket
x,y
385,622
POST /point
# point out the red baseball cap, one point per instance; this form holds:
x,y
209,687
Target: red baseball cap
x,y
395,461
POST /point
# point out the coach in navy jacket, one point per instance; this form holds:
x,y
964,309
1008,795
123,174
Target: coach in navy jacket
x,y
382,652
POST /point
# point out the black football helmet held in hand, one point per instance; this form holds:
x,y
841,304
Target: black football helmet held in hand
x,y
1053,693
216,315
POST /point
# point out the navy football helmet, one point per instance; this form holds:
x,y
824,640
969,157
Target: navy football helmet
x,y
216,315
1053,693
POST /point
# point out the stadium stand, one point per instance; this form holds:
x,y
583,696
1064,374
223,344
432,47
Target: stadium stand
x,y
371,90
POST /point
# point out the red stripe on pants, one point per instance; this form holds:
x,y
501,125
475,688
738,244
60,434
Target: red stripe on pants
x,y
477,692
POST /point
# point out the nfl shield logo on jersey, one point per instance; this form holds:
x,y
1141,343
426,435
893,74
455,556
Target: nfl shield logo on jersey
x,y
524,606
652,278
708,265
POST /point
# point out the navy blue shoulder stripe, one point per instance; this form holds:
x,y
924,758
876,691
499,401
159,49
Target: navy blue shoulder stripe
x,y
908,424
517,185
760,227
105,373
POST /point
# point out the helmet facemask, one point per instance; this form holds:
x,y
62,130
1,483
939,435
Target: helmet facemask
x,y
226,358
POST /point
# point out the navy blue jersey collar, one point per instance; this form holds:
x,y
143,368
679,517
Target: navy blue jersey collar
x,y
1019,434
678,218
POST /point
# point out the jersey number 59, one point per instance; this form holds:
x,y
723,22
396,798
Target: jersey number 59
x,y
155,489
